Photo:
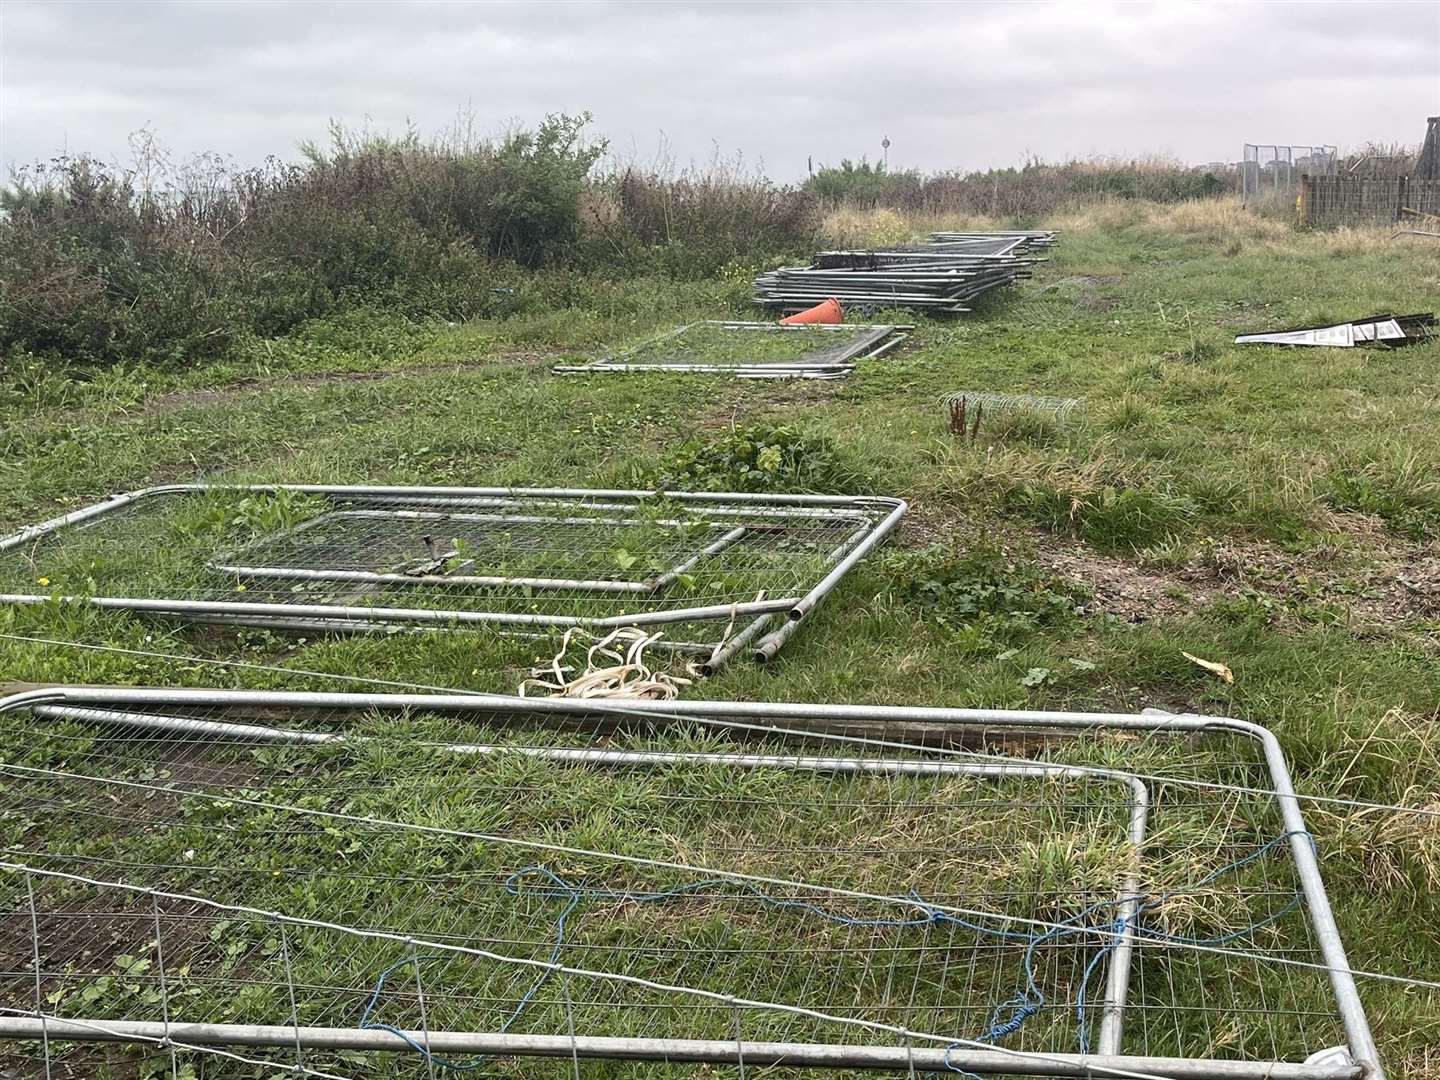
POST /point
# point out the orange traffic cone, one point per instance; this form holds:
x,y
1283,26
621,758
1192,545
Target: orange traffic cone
x,y
829,311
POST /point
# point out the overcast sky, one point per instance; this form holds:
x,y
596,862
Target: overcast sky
x,y
953,85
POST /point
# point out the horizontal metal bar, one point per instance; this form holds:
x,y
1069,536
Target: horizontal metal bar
x,y
463,702
691,1051
261,733
776,370
419,492
808,327
705,514
340,626
372,577
402,615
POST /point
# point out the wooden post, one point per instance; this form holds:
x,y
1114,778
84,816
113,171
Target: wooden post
x,y
1400,198
1302,204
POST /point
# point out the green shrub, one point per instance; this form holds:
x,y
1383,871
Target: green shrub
x,y
100,265
981,594
759,459
862,184
698,223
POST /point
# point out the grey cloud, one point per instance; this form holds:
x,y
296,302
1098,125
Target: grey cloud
x,y
954,85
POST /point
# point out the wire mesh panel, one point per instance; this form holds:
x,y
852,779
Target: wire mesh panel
x,y
752,350
718,572
1271,173
967,409
323,880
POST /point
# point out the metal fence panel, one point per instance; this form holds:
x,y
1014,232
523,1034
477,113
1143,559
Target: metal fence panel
x,y
1271,173
752,350
713,571
306,879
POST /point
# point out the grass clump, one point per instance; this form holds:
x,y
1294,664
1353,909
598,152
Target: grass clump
x,y
1400,486
1029,426
850,227
1100,502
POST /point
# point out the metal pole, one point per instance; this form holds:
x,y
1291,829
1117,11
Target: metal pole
x,y
1117,987
689,1051
579,756
1327,934
818,593
423,615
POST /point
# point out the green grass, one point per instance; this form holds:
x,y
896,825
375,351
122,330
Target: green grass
x,y
1186,442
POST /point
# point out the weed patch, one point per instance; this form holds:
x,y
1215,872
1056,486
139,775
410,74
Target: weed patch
x,y
759,459
981,597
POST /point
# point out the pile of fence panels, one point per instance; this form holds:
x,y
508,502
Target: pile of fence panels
x,y
997,243
942,276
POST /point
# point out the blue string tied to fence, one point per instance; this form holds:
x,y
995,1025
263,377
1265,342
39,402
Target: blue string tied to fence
x,y
1006,1019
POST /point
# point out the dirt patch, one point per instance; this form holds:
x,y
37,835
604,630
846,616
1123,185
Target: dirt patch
x,y
747,397
1370,590
1123,588
1367,577
80,932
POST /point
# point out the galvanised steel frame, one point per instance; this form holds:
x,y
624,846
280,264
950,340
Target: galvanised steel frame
x,y
159,713
834,361
812,542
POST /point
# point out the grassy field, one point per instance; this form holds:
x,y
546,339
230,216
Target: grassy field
x,y
1276,511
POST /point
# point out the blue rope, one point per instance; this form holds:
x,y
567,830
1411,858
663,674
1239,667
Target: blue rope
x,y
525,999
1145,906
1005,1020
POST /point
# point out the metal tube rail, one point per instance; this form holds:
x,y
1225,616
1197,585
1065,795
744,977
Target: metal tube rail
x,y
859,551
899,1059
115,502
422,615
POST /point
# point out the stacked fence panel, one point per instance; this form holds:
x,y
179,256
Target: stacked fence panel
x,y
943,276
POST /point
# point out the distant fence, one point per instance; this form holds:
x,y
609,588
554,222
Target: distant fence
x,y
1270,173
1328,201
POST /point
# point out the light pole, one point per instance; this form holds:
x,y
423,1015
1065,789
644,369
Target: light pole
x,y
885,153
